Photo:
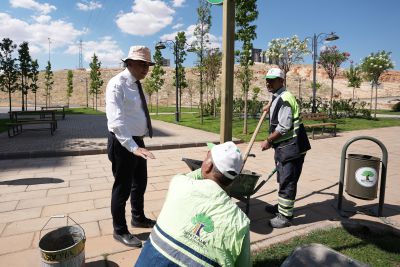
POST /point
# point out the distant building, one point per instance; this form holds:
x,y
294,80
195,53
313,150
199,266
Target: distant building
x,y
257,55
166,62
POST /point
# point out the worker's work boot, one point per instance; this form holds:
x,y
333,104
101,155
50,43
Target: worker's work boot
x,y
273,209
280,221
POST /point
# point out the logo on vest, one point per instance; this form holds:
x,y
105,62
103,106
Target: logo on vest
x,y
202,222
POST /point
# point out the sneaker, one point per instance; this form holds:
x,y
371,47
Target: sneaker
x,y
143,223
280,221
273,209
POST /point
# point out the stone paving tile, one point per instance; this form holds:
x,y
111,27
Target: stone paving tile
x,y
124,259
91,215
98,262
69,190
4,189
15,243
8,206
105,244
89,195
42,202
103,202
30,257
22,195
68,208
2,226
31,225
103,186
57,184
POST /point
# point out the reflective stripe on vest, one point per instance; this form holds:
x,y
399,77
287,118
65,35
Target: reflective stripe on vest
x,y
286,96
179,253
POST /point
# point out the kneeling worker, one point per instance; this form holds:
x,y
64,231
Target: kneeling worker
x,y
199,225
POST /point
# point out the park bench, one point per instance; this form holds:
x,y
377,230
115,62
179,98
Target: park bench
x,y
319,125
18,119
57,109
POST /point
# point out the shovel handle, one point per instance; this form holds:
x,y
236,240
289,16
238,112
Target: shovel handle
x,y
250,145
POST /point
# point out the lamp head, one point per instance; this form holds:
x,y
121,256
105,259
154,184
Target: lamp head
x,y
331,37
160,45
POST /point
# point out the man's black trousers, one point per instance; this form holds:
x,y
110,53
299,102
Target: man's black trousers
x,y
130,179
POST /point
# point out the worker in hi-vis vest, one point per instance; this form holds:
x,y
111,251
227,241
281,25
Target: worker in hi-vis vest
x,y
288,137
199,225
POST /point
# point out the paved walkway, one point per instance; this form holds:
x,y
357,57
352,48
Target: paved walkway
x,y
87,135
33,189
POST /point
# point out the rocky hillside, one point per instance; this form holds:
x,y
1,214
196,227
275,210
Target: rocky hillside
x,y
388,93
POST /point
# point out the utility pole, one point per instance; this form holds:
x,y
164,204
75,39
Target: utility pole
x,y
80,55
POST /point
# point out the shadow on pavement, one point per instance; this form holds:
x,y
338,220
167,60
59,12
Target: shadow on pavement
x,y
101,263
32,181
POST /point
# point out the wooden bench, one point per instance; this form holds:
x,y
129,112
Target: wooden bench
x,y
15,128
320,125
57,109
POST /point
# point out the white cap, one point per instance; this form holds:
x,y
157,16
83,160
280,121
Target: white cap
x,y
139,52
274,73
227,158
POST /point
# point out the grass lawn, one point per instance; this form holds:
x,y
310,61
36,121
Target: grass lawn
x,y
386,111
212,124
374,249
171,109
86,111
3,127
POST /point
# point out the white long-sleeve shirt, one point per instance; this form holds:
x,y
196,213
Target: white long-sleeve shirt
x,y
125,115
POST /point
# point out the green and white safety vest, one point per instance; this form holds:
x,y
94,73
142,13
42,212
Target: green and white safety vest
x,y
199,225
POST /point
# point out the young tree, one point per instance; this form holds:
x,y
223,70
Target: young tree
x,y
246,13
34,78
24,72
157,74
331,58
353,76
180,54
373,66
8,69
48,77
213,64
70,85
148,87
95,77
201,33
285,52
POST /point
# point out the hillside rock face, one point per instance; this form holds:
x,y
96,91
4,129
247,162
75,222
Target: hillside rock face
x,y
388,91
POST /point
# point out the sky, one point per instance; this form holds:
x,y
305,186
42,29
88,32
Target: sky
x,y
54,28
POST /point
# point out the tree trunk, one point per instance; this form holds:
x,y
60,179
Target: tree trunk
x,y
201,97
376,98
331,103
9,102
353,92
245,112
96,99
157,103
35,101
215,102
372,92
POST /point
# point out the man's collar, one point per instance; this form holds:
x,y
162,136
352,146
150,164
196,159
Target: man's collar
x,y
279,91
129,76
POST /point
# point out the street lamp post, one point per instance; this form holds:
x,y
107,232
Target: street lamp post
x,y
314,43
161,45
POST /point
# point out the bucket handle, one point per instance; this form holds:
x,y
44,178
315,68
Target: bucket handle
x,y
60,217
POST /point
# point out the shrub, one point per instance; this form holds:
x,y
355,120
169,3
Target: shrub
x,y
396,107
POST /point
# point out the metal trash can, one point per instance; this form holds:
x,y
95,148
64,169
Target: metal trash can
x,y
362,176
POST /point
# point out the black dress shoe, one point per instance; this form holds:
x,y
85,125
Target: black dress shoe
x,y
273,209
143,223
128,239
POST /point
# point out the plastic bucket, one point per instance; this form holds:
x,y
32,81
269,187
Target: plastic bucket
x,y
63,247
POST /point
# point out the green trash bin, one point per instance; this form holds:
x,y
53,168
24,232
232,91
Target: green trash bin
x,y
362,176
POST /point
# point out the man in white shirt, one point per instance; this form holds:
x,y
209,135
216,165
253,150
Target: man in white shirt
x,y
128,122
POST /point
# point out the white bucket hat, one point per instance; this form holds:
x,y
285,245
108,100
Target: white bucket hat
x,y
227,158
141,53
274,73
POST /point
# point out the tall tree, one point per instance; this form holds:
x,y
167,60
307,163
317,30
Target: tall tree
x,y
157,74
353,76
34,78
95,77
213,64
330,59
373,67
48,78
70,85
8,69
245,15
180,56
24,72
285,52
201,33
